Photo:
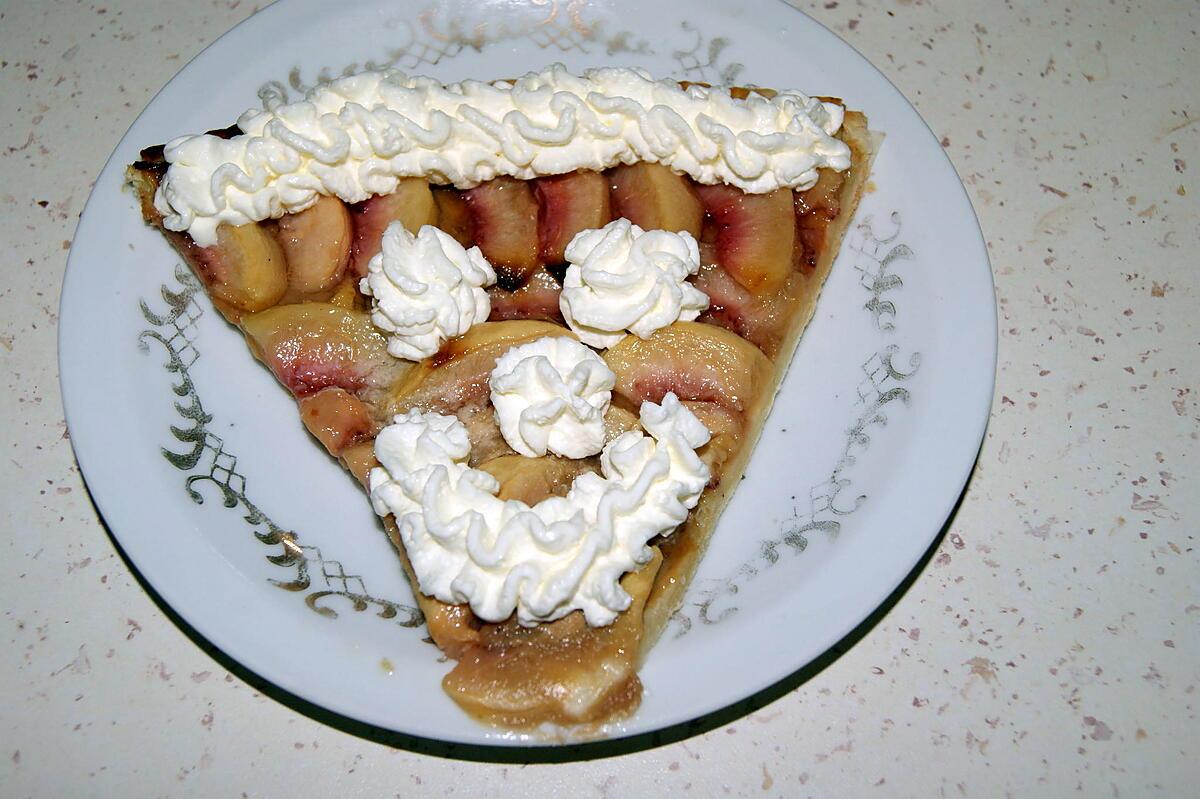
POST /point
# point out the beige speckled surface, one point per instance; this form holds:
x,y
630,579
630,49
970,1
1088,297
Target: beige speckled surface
x,y
1051,645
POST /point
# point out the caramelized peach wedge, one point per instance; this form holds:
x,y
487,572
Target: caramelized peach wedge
x,y
816,209
695,361
458,374
568,204
504,217
761,320
411,204
530,480
316,243
653,197
561,673
315,345
755,234
246,269
336,418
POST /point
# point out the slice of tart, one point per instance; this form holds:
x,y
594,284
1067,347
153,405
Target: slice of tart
x,y
282,245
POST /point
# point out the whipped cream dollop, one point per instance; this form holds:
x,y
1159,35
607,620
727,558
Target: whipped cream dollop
x,y
622,278
425,289
356,136
551,395
564,553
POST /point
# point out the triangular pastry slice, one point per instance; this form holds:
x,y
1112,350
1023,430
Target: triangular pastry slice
x,y
282,217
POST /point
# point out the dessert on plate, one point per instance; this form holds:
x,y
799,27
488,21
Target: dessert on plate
x,y
542,321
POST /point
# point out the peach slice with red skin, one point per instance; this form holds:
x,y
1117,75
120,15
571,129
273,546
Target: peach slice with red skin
x,y
568,204
245,269
454,628
454,215
760,320
316,345
316,242
504,216
696,361
411,204
755,234
336,418
815,209
653,197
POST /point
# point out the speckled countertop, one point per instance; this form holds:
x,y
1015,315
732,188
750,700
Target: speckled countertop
x,y
1052,644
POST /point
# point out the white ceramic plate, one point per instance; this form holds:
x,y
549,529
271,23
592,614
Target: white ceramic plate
x,y
198,461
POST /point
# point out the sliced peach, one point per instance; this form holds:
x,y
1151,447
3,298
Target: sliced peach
x,y
568,204
492,335
824,198
316,242
411,204
315,345
454,215
694,360
814,210
728,301
336,418
653,197
245,268
531,480
618,420
504,215
762,321
457,375
564,672
755,235
454,628
725,430
482,431
537,299
346,294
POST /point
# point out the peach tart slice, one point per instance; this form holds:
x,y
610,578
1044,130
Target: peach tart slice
x,y
291,283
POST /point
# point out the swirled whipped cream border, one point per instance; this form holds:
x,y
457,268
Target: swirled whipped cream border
x,y
544,561
359,135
